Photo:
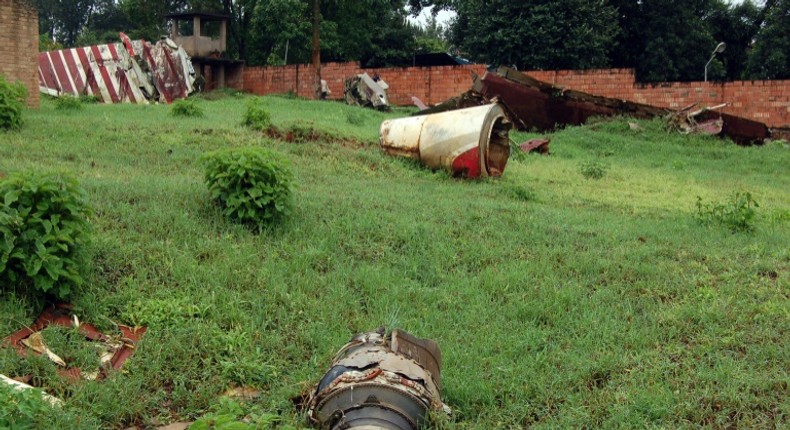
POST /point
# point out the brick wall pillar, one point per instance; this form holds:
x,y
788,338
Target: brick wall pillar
x,y
19,46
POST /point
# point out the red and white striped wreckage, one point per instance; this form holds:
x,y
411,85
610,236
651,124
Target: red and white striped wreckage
x,y
133,71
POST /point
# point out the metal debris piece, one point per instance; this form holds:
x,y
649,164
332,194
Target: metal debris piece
x,y
366,91
19,386
379,381
540,105
36,342
470,142
419,103
533,104
120,348
127,71
540,145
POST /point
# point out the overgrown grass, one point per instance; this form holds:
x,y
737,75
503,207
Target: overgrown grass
x,y
558,302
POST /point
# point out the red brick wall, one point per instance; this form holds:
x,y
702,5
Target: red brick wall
x,y
765,101
19,46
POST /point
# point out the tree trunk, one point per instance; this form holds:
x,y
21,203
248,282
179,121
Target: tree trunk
x,y
316,49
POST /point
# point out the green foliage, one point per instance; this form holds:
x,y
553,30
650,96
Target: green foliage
x,y
89,99
737,213
21,409
43,229
593,170
770,56
520,192
228,414
355,117
534,35
68,102
252,185
256,117
674,307
45,43
186,108
12,100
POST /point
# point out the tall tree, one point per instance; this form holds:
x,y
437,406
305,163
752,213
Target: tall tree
x,y
535,34
63,20
770,55
666,40
316,48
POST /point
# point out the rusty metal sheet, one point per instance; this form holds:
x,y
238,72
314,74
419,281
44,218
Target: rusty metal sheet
x,y
540,105
536,104
61,315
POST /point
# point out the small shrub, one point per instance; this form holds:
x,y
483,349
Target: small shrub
x,y
252,185
256,116
737,213
12,100
89,99
519,192
355,117
593,170
43,229
67,102
186,108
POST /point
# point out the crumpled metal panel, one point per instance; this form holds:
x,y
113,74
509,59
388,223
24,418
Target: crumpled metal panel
x,y
472,142
379,381
366,91
536,104
104,71
125,72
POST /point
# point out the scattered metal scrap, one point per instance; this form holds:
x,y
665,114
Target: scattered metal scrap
x,y
116,349
470,142
533,104
541,145
379,381
366,91
128,71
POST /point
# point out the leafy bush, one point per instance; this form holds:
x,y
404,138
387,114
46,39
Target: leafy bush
x,y
21,409
252,185
256,116
12,100
43,229
737,213
593,170
89,99
187,108
355,116
67,102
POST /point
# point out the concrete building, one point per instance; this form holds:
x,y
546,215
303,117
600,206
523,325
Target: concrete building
x,y
205,36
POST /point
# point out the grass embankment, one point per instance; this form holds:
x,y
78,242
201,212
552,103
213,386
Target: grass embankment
x,y
557,300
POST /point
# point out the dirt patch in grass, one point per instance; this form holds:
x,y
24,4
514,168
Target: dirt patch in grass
x,y
298,134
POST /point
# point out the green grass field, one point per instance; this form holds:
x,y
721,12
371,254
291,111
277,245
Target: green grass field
x,y
558,301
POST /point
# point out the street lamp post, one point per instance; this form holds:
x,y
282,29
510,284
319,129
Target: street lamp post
x,y
719,49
